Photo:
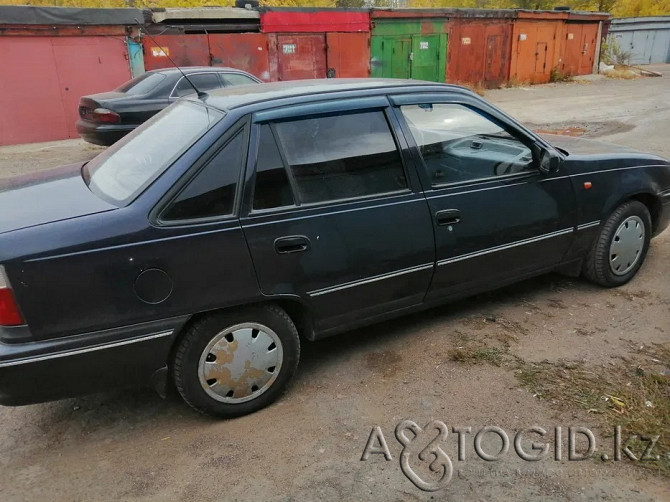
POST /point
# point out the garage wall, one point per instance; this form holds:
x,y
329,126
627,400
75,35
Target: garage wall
x,y
580,43
479,51
298,56
184,50
244,51
646,38
40,94
348,54
536,50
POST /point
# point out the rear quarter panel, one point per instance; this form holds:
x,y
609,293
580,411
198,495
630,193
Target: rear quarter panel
x,y
66,288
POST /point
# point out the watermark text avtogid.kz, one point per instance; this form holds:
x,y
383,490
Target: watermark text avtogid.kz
x,y
427,453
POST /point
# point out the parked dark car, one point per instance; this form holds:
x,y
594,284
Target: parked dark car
x,y
199,250
106,117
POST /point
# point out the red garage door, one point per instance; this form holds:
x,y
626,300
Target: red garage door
x,y
244,51
301,56
579,48
349,54
184,50
49,74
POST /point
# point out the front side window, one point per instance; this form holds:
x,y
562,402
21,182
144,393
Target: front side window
x,y
458,144
212,192
203,81
127,167
341,156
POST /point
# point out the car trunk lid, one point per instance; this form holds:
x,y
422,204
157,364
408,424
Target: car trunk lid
x,y
45,197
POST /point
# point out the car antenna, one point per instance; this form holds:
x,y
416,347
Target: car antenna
x,y
201,95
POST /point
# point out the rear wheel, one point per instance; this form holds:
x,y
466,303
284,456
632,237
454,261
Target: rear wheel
x,y
621,247
231,364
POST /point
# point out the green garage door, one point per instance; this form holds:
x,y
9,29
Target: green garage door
x,y
390,57
425,58
420,57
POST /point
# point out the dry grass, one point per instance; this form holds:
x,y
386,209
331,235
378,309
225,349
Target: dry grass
x,y
621,74
491,355
492,346
557,75
513,82
477,88
634,395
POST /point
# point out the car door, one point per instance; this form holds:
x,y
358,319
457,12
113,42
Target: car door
x,y
332,215
496,216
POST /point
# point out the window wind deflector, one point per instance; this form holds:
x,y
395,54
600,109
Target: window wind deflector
x,y
335,105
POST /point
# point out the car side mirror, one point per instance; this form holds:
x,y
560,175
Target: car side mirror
x,y
549,161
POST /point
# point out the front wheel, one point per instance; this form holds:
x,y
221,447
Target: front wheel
x,y
235,363
621,246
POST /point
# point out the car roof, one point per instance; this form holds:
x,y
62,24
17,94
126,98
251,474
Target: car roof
x,y
195,69
242,95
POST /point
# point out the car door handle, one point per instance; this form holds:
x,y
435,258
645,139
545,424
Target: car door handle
x,y
292,244
448,217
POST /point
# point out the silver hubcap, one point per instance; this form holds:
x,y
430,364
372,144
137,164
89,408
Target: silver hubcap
x,y
240,363
627,245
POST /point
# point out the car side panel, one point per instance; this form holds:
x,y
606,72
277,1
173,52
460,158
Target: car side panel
x,y
364,258
507,230
92,287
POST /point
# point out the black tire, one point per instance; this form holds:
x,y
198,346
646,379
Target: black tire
x,y
191,347
597,266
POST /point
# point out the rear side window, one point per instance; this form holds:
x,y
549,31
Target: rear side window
x,y
142,84
341,156
272,187
237,79
203,81
212,192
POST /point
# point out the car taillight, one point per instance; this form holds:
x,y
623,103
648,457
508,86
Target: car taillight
x,y
104,115
10,315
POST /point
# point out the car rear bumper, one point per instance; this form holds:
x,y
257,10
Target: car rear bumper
x,y
66,367
103,134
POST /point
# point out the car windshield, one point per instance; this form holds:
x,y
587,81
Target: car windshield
x,y
142,84
126,168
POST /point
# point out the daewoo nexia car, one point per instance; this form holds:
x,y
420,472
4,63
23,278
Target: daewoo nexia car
x,y
203,247
106,117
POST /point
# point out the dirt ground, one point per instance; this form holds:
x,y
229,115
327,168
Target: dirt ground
x,y
132,445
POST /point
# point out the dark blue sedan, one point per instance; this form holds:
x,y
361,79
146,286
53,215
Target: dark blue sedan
x,y
203,248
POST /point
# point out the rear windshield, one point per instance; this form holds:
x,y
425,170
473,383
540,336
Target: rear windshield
x,y
125,169
142,84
